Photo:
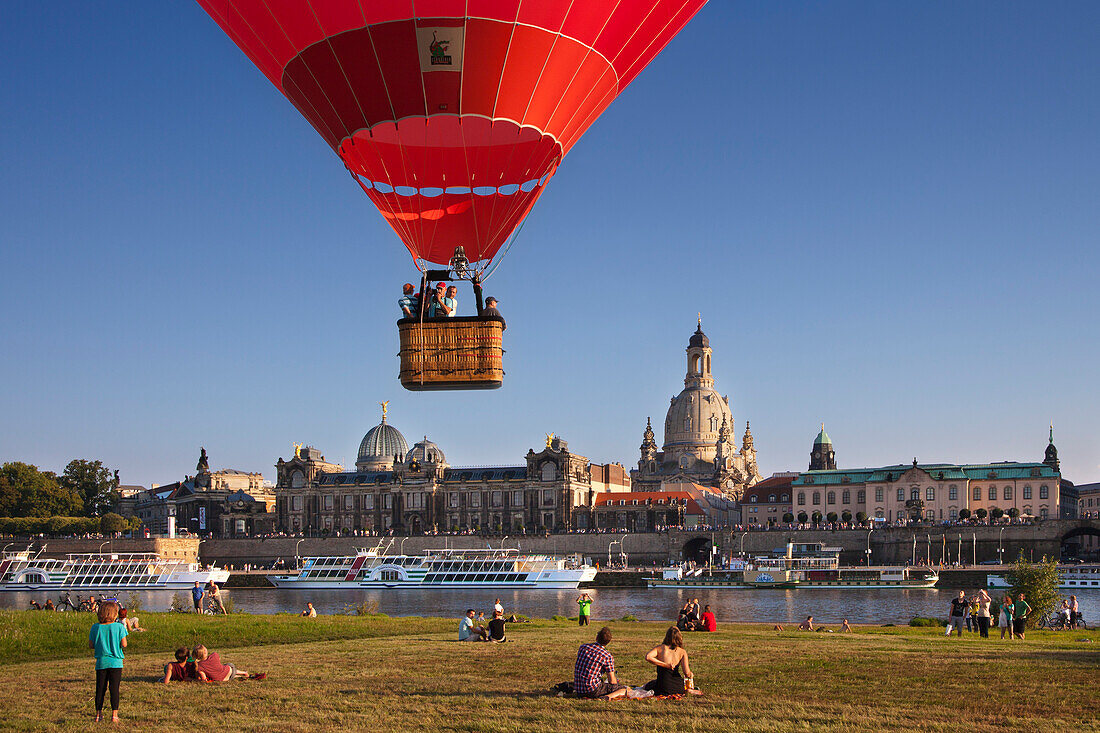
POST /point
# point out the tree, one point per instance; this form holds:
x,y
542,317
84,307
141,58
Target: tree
x,y
831,517
1013,512
981,514
110,523
846,515
788,517
861,517
964,514
94,483
816,517
36,493
802,517
1039,583
997,512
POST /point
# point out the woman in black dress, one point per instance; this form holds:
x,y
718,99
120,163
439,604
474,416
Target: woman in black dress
x,y
670,658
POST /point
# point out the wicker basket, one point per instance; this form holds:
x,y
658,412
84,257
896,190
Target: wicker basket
x,y
451,353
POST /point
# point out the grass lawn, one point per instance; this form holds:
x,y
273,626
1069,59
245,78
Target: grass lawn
x,y
406,674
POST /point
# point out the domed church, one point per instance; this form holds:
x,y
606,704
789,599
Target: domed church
x,y
698,435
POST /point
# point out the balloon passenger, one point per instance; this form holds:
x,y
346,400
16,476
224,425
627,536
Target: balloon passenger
x,y
491,310
409,302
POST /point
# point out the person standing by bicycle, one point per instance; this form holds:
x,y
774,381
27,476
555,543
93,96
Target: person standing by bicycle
x,y
1074,612
216,600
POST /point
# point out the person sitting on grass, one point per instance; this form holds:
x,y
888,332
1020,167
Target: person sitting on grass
x,y
807,625
845,627
36,605
709,622
468,632
180,670
310,611
211,669
593,660
666,657
130,622
496,627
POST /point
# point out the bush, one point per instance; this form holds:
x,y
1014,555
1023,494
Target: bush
x,y
133,604
178,604
964,514
981,514
559,617
921,621
1013,512
1039,584
788,517
846,515
861,517
629,618
831,517
997,512
802,517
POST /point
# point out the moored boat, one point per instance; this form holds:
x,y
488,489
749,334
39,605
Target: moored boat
x,y
1069,577
21,571
438,569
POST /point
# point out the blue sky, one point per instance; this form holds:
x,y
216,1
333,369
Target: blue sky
x,y
886,212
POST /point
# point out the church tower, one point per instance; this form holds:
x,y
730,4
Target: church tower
x,y
647,461
822,457
1051,456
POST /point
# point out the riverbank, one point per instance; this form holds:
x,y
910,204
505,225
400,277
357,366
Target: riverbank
x,y
375,673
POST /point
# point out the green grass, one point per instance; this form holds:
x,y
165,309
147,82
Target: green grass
x,y
368,673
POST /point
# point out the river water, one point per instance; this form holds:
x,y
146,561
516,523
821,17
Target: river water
x,y
756,605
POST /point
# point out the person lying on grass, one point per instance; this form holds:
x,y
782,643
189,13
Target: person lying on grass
x,y
211,669
182,669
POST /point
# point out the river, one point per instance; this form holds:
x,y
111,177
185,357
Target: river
x,y
756,605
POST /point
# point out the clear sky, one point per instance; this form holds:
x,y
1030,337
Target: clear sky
x,y
888,214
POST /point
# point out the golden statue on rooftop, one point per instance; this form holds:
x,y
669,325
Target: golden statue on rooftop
x,y
549,439
297,450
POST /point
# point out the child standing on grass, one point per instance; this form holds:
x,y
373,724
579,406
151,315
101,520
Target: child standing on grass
x,y
108,639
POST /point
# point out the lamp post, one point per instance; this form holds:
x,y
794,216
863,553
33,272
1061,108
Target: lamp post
x,y
297,559
401,547
101,544
914,548
1000,547
743,536
868,550
974,548
928,555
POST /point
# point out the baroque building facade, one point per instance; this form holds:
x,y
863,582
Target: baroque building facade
x,y
400,489
933,492
699,446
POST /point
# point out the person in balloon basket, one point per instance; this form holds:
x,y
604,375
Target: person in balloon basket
x,y
436,307
450,301
409,302
491,310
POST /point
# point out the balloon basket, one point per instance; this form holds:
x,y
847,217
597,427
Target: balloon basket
x,y
458,353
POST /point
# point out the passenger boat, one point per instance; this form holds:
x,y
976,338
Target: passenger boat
x,y
1069,577
438,569
810,565
21,571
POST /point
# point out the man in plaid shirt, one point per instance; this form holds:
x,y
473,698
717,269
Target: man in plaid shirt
x,y
592,661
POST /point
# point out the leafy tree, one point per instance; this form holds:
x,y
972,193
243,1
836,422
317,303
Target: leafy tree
x,y
861,517
831,517
110,523
788,517
846,515
816,517
964,514
94,483
1013,512
1039,583
997,512
981,514
37,493
802,517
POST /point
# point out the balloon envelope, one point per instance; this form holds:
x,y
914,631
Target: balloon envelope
x,y
451,114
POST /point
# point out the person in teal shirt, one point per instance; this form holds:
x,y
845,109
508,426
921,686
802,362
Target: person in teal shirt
x,y
584,604
108,639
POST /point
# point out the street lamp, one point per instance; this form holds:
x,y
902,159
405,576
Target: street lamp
x,y
401,547
101,544
297,560
868,550
1000,547
743,536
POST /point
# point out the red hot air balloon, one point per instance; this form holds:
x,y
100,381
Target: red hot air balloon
x,y
451,114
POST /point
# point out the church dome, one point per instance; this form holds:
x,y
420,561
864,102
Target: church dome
x,y
693,421
379,446
425,451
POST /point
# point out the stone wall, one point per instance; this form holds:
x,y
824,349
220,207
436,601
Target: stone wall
x,y
888,545
185,549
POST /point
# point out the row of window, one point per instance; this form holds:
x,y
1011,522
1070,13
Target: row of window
x,y
953,513
915,494
419,499
475,577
